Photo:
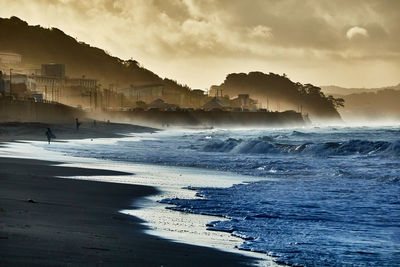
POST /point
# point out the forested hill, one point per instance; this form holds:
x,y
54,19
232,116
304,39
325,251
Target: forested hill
x,y
39,45
277,92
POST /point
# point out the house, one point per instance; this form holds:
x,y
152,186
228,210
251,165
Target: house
x,y
161,105
215,104
197,98
243,101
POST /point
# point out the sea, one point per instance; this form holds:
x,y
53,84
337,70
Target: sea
x,y
310,196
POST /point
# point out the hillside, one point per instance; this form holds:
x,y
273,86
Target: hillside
x,y
337,90
39,45
382,105
277,92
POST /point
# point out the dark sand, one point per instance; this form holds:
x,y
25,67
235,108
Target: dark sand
x,y
76,222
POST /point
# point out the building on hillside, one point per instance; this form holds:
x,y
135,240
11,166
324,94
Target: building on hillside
x,y
80,91
53,70
54,85
23,79
159,104
10,58
19,85
50,82
243,101
215,104
49,87
151,92
110,99
216,91
197,98
81,82
178,96
146,93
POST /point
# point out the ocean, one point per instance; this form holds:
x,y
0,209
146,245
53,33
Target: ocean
x,y
316,196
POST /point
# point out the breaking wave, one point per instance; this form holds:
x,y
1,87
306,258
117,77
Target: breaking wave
x,y
262,146
326,196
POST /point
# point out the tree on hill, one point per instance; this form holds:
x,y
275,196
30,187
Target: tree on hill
x,y
270,89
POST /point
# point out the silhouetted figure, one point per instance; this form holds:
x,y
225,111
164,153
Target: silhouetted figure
x,y
49,135
77,124
94,123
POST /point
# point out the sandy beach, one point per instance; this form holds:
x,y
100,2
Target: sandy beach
x,y
46,220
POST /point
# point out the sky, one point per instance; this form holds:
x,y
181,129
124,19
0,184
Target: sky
x,y
351,43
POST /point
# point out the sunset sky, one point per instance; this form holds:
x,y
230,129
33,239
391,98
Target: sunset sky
x,y
341,42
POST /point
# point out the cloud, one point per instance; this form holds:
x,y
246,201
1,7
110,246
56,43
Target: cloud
x,y
355,32
261,31
182,38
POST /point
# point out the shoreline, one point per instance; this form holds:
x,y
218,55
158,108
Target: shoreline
x,y
185,228
108,131
56,221
24,235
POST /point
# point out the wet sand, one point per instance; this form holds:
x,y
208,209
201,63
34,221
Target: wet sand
x,y
54,221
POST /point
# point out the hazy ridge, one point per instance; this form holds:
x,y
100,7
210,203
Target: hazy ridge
x,y
368,104
337,90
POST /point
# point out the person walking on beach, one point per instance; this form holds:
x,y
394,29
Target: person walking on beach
x,y
49,135
77,124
